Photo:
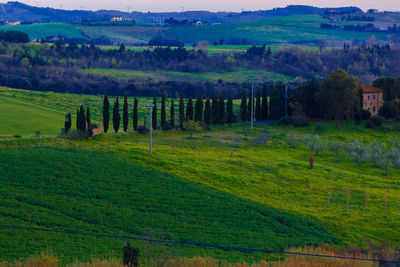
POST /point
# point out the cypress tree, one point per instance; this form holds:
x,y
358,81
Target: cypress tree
x,y
181,112
82,120
198,116
163,115
276,104
243,107
249,107
264,108
135,114
214,109
78,117
172,114
189,109
229,110
125,118
258,106
67,124
116,116
106,113
207,112
154,113
221,109
88,121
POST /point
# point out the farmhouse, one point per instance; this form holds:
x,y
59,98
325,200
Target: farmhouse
x,y
116,19
372,98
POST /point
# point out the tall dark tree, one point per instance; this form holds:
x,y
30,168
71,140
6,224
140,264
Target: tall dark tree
x,y
249,106
106,113
258,106
125,118
82,119
68,123
116,116
306,96
339,96
243,107
181,111
229,110
207,112
198,115
214,109
276,103
221,109
78,118
189,109
172,114
264,106
135,118
154,113
163,114
88,120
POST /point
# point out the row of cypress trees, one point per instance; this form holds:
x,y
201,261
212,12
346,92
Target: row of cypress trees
x,y
273,109
211,112
116,119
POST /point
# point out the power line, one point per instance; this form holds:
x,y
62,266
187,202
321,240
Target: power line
x,y
193,244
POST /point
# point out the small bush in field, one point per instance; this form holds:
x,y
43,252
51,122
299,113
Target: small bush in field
x,y
319,126
375,121
365,115
316,145
357,152
291,140
262,138
335,147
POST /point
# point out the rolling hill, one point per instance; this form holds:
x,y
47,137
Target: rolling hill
x,y
288,29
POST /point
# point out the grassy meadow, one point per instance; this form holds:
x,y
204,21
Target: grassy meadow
x,y
221,186
232,76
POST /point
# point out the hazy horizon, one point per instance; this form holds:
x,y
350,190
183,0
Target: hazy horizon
x,y
222,5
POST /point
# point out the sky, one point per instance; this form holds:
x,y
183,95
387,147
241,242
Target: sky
x,y
212,5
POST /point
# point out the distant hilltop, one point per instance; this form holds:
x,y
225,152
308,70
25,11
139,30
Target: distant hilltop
x,y
16,11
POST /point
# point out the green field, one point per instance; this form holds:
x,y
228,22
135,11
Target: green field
x,y
65,194
37,31
219,186
24,118
285,29
244,75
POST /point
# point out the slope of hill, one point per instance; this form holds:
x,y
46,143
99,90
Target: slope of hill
x,y
18,11
289,29
24,118
87,191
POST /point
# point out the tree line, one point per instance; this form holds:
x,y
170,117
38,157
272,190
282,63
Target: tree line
x,y
217,110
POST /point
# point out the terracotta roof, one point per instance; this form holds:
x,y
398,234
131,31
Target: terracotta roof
x,y
369,89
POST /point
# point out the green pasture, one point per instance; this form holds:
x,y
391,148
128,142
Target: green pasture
x,y
24,118
89,191
42,30
222,186
232,76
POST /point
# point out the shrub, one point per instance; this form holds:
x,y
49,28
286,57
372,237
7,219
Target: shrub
x,y
262,138
335,147
285,120
143,129
316,145
319,126
291,140
357,152
375,121
365,115
300,119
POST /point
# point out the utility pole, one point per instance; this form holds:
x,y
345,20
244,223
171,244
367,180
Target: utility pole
x,y
286,97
